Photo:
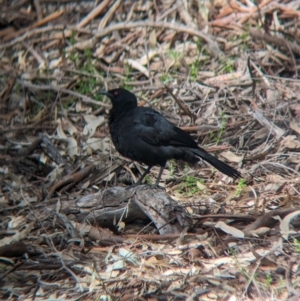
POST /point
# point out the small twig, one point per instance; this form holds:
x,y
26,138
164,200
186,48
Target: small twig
x,y
259,116
71,273
58,89
62,31
49,18
252,280
289,284
83,73
52,152
184,14
280,42
213,45
35,144
26,128
123,25
38,9
40,60
9,271
182,105
109,14
266,81
94,13
69,179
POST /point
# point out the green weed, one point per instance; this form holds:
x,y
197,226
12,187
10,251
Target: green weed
x,y
72,39
190,187
296,244
127,78
74,57
194,71
67,103
232,251
199,44
87,84
148,180
218,136
241,185
175,55
165,78
228,66
171,167
269,280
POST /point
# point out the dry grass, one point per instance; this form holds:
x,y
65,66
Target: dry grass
x,y
227,72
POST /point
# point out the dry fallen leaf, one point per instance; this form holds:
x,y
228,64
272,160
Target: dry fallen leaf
x,y
285,225
231,157
138,66
60,132
92,123
295,125
290,142
19,235
72,148
259,232
153,262
68,126
230,230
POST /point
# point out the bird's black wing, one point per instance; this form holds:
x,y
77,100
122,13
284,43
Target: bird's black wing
x,y
156,130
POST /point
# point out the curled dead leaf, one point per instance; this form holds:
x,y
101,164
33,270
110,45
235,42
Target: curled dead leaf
x,y
231,157
138,66
285,224
230,230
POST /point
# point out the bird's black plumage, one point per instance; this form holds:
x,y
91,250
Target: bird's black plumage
x,y
144,135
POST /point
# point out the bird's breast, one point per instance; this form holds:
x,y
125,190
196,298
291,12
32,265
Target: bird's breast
x,y
120,133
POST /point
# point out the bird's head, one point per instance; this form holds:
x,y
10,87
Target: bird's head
x,y
121,98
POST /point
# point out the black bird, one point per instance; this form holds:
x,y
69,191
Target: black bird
x,y
144,135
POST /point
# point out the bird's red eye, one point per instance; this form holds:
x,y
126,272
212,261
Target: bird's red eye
x,y
116,93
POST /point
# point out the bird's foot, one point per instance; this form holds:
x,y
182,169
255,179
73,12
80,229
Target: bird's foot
x,y
134,185
157,186
154,186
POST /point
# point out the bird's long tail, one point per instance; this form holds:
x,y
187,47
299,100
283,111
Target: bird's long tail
x,y
221,166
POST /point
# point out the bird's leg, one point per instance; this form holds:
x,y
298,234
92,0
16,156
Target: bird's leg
x,y
139,182
143,176
159,176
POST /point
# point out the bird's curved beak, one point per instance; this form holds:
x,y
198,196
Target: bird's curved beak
x,y
105,93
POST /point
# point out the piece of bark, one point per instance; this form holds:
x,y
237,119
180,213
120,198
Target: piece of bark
x,y
137,203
